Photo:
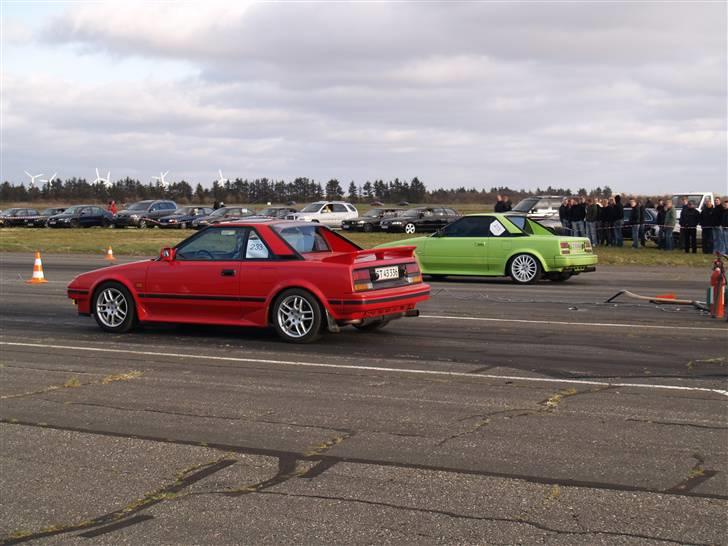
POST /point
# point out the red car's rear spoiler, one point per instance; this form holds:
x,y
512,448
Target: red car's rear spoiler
x,y
371,255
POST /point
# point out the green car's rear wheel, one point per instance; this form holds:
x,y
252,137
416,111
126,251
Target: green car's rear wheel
x,y
524,269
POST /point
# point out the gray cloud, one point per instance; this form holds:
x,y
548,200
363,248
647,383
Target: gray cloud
x,y
632,95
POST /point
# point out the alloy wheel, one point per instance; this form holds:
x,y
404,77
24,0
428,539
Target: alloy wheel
x,y
295,316
410,229
524,268
112,307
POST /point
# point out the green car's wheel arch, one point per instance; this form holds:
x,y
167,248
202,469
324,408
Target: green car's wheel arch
x,y
524,268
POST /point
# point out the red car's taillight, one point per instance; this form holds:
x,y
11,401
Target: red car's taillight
x,y
412,270
362,280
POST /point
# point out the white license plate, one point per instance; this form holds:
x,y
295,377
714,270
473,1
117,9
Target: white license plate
x,y
386,273
577,247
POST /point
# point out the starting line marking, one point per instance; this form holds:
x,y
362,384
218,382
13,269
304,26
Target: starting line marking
x,y
564,323
368,368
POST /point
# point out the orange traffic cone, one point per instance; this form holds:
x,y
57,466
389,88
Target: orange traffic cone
x,y
37,277
110,255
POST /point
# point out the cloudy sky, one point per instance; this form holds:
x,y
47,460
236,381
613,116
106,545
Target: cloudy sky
x,y
578,94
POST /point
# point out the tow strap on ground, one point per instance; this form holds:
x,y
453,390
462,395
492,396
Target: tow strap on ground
x,y
662,298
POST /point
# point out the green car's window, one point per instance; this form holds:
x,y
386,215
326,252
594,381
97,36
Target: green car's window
x,y
472,226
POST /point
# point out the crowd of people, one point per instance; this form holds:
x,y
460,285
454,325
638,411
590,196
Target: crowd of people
x,y
602,221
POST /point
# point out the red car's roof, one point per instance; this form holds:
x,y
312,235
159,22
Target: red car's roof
x,y
265,221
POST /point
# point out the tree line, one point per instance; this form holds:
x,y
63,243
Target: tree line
x,y
264,190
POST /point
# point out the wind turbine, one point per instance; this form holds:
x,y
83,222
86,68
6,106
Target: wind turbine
x,y
32,178
106,181
161,180
51,179
222,179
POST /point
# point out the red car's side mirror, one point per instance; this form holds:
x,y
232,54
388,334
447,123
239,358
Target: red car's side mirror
x,y
167,254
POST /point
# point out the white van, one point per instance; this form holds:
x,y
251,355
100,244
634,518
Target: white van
x,y
329,213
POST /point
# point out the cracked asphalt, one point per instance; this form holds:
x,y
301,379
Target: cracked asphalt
x,y
503,415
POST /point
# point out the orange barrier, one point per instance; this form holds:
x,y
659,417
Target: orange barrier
x,y
717,289
38,277
110,255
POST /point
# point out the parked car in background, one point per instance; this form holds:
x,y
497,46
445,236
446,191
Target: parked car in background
x,y
144,214
81,216
299,278
183,217
277,212
224,214
420,219
329,213
499,245
651,228
370,221
17,216
540,206
42,219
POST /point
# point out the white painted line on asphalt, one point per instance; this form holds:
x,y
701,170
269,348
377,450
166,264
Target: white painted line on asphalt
x,y
564,323
366,368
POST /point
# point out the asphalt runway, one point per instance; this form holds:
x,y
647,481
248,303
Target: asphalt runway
x,y
503,415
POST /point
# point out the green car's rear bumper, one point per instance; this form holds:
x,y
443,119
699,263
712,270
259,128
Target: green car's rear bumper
x,y
583,263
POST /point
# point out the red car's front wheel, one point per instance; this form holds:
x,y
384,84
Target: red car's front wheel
x,y
113,308
297,316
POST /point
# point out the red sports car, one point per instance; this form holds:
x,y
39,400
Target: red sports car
x,y
298,277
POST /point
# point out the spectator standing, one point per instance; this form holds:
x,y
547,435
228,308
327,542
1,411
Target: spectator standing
x,y
618,221
606,223
718,235
634,222
507,205
577,215
592,220
499,205
660,223
564,216
669,226
721,219
689,220
707,222
111,207
642,207
649,204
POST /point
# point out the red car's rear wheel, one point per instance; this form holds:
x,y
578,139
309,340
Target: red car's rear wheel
x,y
297,316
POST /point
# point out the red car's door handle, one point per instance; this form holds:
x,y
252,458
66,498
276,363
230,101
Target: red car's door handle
x,y
228,273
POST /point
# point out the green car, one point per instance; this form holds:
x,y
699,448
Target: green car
x,y
501,245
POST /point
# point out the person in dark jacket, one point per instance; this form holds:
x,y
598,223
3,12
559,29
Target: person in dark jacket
x,y
634,222
618,221
689,220
660,224
721,225
499,205
577,215
649,204
564,217
592,220
707,223
507,205
669,227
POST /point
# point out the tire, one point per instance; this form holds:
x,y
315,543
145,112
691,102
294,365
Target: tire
x,y
368,228
524,269
105,223
113,308
297,316
410,228
75,224
142,224
183,225
559,277
372,326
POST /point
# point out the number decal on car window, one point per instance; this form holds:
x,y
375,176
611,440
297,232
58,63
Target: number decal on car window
x,y
496,228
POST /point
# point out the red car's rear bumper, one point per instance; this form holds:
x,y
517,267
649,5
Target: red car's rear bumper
x,y
378,303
